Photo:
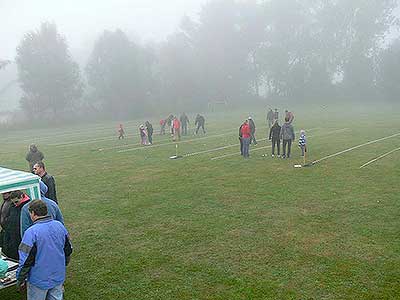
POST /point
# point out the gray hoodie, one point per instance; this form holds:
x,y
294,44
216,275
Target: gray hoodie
x,y
287,132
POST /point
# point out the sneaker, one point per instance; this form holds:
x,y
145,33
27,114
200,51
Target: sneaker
x,y
279,156
272,155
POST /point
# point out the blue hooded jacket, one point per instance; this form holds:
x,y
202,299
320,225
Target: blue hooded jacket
x,y
52,210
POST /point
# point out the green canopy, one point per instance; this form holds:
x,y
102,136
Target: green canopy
x,y
12,180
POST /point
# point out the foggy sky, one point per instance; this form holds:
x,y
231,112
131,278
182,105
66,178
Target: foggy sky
x,y
81,21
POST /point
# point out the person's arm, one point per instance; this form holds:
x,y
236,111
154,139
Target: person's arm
x,y
281,133
270,133
293,135
25,220
27,252
67,249
52,189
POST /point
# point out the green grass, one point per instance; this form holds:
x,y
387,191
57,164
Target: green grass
x,y
147,227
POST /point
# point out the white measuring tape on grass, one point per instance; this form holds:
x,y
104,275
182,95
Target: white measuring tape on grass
x,y
379,157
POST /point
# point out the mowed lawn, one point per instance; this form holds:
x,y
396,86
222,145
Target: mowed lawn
x,y
144,226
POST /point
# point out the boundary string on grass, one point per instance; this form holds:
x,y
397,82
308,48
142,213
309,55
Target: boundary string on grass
x,y
379,157
355,147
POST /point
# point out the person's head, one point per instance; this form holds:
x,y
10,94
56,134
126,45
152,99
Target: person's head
x,y
302,131
32,147
37,209
276,109
276,122
16,197
249,117
39,168
6,196
287,119
246,121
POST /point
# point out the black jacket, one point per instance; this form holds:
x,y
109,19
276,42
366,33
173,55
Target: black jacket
x,y
49,181
275,132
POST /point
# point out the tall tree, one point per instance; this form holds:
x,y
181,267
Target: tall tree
x,y
120,73
48,76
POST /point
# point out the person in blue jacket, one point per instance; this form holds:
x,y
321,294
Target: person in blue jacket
x,y
44,253
52,208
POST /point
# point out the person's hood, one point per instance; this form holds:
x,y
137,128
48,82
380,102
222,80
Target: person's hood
x,y
43,188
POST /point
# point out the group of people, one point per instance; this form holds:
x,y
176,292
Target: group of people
x,y
277,133
33,233
177,128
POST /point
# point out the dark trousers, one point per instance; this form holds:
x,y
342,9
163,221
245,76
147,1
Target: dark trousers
x,y
198,127
253,138
246,146
287,143
150,138
184,129
277,143
241,146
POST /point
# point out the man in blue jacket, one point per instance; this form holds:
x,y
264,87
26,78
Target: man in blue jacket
x,y
52,209
44,253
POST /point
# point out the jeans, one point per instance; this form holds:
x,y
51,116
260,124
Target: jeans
x,y
35,293
276,142
246,146
289,146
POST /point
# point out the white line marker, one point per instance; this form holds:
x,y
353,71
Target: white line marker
x,y
355,147
379,157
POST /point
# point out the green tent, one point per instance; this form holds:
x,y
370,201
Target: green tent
x,y
12,180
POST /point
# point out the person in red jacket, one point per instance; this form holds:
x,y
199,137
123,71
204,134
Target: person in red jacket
x,y
246,133
176,129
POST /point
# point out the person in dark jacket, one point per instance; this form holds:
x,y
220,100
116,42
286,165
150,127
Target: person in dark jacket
x,y
4,213
40,170
149,128
200,121
287,135
33,156
11,229
253,131
184,123
270,118
274,135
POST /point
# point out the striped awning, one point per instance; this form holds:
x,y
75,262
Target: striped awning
x,y
11,180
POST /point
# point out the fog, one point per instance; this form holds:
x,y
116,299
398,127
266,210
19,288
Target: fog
x,y
125,58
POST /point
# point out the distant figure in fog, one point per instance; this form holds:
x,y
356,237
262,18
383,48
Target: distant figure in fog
x,y
176,129
253,131
184,123
199,122
276,115
163,123
270,118
246,135
274,135
143,135
287,135
121,132
303,142
149,129
33,156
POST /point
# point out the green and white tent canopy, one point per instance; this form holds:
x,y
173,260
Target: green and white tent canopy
x,y
12,180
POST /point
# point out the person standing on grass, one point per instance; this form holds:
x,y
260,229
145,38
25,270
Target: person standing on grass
x,y
143,135
289,115
184,123
176,128
33,156
253,131
163,123
149,129
200,121
44,253
121,132
241,139
303,142
40,170
270,118
246,136
287,135
274,134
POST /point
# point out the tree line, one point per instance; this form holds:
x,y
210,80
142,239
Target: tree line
x,y
235,51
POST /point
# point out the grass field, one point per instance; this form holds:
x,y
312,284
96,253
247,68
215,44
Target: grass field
x,y
147,227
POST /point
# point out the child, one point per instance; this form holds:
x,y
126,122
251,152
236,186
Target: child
x,y
143,135
121,132
302,142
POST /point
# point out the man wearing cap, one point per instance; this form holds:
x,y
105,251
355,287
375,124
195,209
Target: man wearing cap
x,y
44,253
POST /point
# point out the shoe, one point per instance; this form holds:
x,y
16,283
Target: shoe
x,y
272,155
279,156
